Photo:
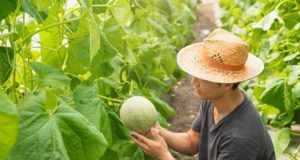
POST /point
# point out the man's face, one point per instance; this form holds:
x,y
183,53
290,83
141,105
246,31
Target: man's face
x,y
207,90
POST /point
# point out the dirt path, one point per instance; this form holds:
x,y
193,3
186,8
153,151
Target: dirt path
x,y
182,96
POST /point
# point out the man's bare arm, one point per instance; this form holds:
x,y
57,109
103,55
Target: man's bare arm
x,y
186,143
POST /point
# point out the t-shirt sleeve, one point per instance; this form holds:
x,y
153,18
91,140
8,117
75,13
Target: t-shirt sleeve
x,y
196,125
233,148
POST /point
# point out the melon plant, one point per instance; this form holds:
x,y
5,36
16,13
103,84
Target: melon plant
x,y
138,114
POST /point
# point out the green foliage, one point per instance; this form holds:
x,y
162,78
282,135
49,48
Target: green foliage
x,y
9,122
58,133
69,66
272,29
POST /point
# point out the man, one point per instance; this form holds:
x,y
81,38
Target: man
x,y
227,126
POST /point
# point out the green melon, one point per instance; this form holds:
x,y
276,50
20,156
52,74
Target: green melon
x,y
138,114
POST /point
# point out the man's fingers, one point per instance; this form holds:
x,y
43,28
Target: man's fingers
x,y
139,143
140,138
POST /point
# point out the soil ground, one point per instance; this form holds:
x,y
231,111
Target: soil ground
x,y
182,97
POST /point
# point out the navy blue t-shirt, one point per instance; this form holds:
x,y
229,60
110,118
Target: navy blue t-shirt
x,y
241,135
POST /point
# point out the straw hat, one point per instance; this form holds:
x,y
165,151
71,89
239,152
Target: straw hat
x,y
222,57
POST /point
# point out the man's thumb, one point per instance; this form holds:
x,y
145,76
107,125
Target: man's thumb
x,y
155,133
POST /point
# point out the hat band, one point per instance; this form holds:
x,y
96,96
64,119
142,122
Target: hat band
x,y
216,64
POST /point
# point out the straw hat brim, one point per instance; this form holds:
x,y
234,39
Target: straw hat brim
x,y
189,60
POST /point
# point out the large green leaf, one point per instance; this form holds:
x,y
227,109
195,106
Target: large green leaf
x,y
106,52
278,95
51,76
29,8
60,133
120,132
84,44
281,140
6,7
6,57
114,34
98,113
9,125
78,55
88,104
122,12
100,65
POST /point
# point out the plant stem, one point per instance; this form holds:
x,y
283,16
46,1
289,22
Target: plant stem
x,y
294,133
22,52
52,25
111,99
291,155
60,33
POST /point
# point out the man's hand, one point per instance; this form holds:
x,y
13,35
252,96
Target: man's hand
x,y
157,147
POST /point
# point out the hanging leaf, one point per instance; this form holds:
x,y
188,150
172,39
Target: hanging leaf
x,y
101,65
278,95
51,76
6,59
122,12
84,45
61,134
29,8
9,125
106,52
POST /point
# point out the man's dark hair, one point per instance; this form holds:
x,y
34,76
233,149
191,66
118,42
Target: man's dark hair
x,y
235,85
